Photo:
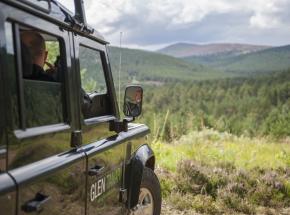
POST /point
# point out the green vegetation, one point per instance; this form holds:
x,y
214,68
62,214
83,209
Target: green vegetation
x,y
210,172
269,60
53,51
221,141
211,147
182,50
92,75
222,146
242,106
138,65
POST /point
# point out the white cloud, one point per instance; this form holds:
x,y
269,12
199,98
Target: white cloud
x,y
68,3
263,21
266,14
187,12
144,20
147,47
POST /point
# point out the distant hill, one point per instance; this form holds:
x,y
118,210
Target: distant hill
x,y
155,68
269,60
182,50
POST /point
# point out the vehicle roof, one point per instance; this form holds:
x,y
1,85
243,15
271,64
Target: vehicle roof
x,y
59,14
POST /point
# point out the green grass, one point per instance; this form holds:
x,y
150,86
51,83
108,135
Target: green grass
x,y
209,172
212,147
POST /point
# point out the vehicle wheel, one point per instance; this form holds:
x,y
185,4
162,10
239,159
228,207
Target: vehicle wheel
x,y
149,202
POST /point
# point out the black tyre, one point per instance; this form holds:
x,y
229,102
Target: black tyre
x,y
149,202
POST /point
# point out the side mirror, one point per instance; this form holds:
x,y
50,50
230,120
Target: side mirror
x,y
133,101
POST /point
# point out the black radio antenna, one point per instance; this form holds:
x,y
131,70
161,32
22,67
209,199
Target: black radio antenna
x,y
80,14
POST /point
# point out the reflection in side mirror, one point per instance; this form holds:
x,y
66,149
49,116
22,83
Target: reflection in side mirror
x,y
133,101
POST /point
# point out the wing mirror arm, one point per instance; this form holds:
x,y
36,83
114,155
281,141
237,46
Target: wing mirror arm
x,y
132,108
120,125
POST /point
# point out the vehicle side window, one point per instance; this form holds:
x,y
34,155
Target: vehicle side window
x,y
42,82
41,96
95,100
91,69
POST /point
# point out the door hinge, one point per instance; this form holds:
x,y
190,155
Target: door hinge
x,y
123,195
76,139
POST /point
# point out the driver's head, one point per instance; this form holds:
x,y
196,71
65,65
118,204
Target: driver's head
x,y
36,44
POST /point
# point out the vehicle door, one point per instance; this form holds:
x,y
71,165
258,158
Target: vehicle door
x,y
97,106
7,185
48,172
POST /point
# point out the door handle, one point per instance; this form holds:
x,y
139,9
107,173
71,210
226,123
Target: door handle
x,y
95,171
35,205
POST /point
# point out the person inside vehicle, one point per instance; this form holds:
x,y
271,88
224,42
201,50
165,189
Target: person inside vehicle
x,y
36,50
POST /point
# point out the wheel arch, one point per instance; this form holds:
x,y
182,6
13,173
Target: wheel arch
x,y
143,157
150,163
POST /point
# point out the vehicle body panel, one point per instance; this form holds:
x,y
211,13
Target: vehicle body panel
x,y
21,140
103,155
53,166
56,16
30,148
60,177
110,153
3,141
7,195
7,185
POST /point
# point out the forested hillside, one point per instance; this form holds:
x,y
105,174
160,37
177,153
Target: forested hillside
x,y
269,60
182,50
222,146
152,68
219,125
188,100
144,66
249,106
219,128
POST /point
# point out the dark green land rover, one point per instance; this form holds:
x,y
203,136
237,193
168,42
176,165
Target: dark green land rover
x,y
63,147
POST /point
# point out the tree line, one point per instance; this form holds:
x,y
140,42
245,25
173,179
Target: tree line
x,y
244,106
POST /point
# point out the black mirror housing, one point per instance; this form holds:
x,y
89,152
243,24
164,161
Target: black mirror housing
x,y
133,101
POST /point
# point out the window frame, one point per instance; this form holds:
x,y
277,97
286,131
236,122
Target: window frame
x,y
22,131
95,45
103,69
18,53
3,119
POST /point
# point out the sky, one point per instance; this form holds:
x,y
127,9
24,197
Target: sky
x,y
153,24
